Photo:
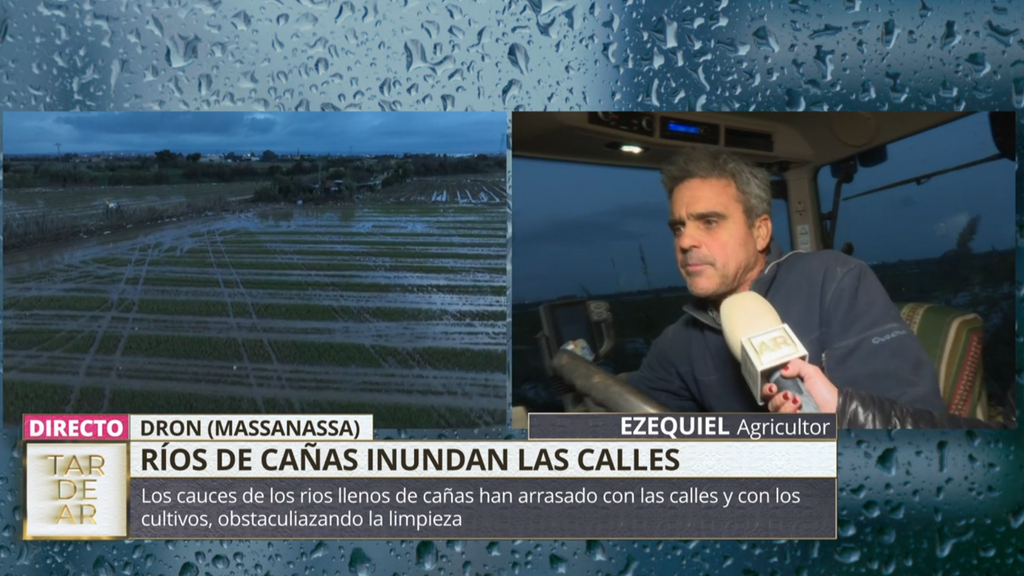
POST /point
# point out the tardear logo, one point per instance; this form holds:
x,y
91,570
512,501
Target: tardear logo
x,y
71,477
76,490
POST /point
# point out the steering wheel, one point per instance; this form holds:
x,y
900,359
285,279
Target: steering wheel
x,y
600,388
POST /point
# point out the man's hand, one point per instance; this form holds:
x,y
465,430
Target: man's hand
x,y
824,393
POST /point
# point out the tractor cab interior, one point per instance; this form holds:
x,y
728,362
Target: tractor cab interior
x,y
925,198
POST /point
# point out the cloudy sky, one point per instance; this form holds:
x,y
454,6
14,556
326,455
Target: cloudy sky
x,y
209,132
579,227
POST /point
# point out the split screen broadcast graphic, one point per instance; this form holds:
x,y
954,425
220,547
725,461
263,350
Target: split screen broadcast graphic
x,y
224,337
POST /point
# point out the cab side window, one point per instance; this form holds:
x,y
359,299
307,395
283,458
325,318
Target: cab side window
x,y
944,239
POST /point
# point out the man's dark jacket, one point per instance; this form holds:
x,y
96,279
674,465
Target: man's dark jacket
x,y
844,318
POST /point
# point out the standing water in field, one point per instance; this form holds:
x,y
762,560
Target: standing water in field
x,y
397,310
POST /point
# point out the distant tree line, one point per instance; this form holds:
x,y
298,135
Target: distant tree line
x,y
167,167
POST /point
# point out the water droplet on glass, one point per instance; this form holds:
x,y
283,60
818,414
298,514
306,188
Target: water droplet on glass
x,y
188,569
631,565
950,37
426,555
344,11
519,58
796,7
457,545
664,32
241,20
318,45
319,549
493,549
103,567
1017,517
795,101
447,102
943,448
823,59
595,550
432,28
282,19
220,561
155,25
321,66
205,81
511,89
828,30
200,557
871,509
945,541
887,461
182,51
887,534
306,22
890,32
847,554
846,527
558,564
978,63
867,92
765,39
896,511
1004,36
360,563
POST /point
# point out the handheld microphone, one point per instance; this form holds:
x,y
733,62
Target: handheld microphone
x,y
763,344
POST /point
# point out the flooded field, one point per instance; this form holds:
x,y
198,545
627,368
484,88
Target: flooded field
x,y
394,310
453,190
28,202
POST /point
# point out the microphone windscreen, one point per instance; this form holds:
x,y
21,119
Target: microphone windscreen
x,y
745,314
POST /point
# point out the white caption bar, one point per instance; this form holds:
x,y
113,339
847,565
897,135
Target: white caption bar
x,y
469,459
312,427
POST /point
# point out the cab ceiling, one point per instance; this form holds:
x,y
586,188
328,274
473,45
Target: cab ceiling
x,y
798,138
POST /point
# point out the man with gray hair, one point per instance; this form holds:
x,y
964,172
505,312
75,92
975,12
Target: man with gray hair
x,y
720,217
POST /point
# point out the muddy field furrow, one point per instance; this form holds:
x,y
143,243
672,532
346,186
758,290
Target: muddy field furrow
x,y
227,380
358,252
464,278
205,370
484,337
358,299
369,393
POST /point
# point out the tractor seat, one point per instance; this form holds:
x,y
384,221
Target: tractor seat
x,y
953,340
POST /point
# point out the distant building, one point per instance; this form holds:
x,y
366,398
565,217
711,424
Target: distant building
x,y
212,158
371,185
